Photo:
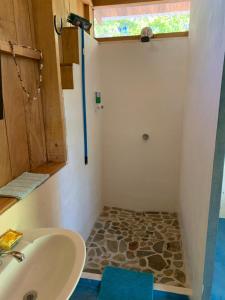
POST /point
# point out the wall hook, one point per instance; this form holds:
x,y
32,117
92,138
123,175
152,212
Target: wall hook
x,y
58,29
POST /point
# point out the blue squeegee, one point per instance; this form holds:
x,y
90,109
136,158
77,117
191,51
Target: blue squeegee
x,y
120,284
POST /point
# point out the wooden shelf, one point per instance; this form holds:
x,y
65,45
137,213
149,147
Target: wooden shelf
x,y
6,203
138,37
48,168
20,51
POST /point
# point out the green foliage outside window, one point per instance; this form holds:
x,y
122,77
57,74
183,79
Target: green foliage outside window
x,y
133,25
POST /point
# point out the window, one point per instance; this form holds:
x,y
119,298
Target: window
x,y
127,20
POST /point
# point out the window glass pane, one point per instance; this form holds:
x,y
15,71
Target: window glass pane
x,y
125,20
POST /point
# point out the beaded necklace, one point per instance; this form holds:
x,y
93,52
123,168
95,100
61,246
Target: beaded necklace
x,y
30,97
38,90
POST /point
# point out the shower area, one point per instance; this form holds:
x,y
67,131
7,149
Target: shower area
x,y
143,91
141,241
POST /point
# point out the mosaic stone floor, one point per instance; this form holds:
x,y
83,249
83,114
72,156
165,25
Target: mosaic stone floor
x,y
143,241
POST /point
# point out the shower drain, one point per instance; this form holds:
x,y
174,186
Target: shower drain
x,y
32,295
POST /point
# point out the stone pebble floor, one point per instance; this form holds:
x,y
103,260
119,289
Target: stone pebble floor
x,y
141,241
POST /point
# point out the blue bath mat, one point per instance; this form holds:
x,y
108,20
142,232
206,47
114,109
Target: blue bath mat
x,y
88,289
120,284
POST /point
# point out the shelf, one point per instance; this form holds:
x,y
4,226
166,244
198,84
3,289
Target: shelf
x,y
6,203
20,51
138,37
48,168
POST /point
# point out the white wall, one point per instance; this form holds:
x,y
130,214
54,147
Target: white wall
x,y
71,198
207,47
143,89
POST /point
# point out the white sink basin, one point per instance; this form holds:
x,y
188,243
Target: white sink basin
x,y
54,260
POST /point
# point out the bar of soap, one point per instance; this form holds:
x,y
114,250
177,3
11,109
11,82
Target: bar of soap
x,y
9,239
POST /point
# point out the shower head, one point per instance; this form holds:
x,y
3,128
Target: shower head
x,y
146,34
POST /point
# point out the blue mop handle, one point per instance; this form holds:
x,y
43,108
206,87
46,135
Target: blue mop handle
x,y
84,99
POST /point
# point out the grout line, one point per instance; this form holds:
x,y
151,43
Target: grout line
x,y
157,286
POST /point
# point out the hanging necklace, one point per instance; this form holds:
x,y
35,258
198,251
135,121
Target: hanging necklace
x,y
38,90
30,96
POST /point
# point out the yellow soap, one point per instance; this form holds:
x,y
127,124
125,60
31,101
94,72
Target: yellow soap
x,y
9,239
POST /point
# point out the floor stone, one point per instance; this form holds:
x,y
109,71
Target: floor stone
x,y
143,241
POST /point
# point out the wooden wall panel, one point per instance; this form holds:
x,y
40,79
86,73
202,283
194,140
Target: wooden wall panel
x,y
15,117
7,31
67,77
34,117
22,22
53,107
30,74
5,167
70,46
89,15
24,122
7,23
77,7
22,133
6,10
15,129
60,8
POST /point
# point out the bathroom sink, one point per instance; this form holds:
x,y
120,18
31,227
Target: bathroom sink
x,y
54,260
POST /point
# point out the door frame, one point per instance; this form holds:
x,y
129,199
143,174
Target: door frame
x,y
215,197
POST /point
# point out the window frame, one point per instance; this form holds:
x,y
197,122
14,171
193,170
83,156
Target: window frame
x,y
105,3
138,37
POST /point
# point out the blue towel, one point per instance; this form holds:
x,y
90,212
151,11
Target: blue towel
x,y
120,284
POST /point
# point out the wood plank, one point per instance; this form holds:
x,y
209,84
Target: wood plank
x,y
59,8
6,10
7,31
15,117
89,15
171,35
86,12
32,31
70,46
138,37
47,40
67,77
6,203
120,2
5,167
49,168
22,22
88,2
77,7
19,51
33,116
1,96
30,74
